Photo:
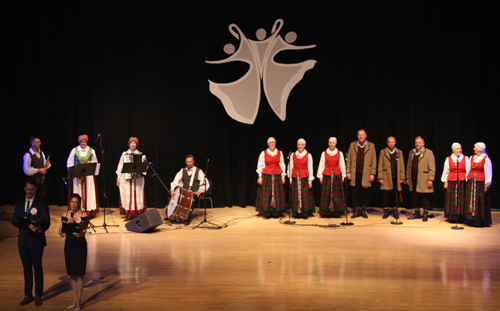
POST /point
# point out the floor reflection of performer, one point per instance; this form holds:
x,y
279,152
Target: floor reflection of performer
x,y
80,155
271,170
455,190
301,174
190,178
132,192
75,249
477,197
331,173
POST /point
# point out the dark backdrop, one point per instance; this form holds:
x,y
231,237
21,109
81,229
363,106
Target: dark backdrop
x,y
405,69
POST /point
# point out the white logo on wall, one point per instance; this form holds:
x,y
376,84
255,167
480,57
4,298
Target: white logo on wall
x,y
241,98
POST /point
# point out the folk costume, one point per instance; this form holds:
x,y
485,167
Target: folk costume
x,y
132,190
391,169
455,172
361,163
85,188
477,199
271,193
301,173
421,168
332,172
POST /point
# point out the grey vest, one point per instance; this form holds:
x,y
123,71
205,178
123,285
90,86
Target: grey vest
x,y
186,179
37,163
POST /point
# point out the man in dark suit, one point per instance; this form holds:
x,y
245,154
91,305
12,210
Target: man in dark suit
x,y
31,242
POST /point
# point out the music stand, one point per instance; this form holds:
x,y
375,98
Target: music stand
x,y
205,221
134,168
84,170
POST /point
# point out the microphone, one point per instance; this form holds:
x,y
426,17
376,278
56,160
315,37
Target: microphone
x,y
72,214
289,154
98,135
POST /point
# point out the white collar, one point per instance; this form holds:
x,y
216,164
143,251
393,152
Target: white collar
x,y
302,154
332,153
363,145
479,158
83,149
33,151
460,157
272,153
132,152
392,152
31,200
419,152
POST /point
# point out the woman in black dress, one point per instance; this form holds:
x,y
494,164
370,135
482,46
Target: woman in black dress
x,y
75,248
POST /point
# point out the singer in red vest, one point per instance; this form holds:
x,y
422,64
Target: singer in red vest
x,y
271,169
331,173
477,199
454,176
301,173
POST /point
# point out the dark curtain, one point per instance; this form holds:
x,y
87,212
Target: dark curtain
x,y
138,69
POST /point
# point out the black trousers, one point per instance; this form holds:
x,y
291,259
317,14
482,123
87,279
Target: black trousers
x,y
31,258
389,196
360,195
421,199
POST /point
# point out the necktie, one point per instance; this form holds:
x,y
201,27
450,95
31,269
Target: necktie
x,y
28,207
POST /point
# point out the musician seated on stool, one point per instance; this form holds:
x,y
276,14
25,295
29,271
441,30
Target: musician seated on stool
x,y
190,178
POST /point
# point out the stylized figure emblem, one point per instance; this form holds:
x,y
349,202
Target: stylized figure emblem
x,y
241,98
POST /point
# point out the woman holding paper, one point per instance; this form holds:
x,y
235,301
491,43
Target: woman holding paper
x,y
75,248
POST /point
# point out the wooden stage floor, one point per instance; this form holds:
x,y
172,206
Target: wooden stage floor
x,y
259,264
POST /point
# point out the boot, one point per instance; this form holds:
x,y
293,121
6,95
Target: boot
x,y
425,216
357,213
386,213
396,213
416,215
363,212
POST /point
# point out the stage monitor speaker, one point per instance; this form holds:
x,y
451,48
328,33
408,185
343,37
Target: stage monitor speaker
x,y
145,222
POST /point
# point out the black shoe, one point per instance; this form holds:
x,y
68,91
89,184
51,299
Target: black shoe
x,y
395,213
425,216
416,215
268,217
386,213
186,222
363,212
305,216
357,213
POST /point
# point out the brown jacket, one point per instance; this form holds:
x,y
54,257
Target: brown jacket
x,y
384,169
369,164
426,171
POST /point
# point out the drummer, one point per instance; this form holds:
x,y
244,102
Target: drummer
x,y
183,179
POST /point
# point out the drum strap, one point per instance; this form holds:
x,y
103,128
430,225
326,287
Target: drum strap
x,y
192,177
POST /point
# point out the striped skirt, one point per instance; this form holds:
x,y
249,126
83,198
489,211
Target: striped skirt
x,y
451,198
338,195
265,193
306,196
477,207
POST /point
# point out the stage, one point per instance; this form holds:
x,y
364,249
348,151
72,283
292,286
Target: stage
x,y
259,264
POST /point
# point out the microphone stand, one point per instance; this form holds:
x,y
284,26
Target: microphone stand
x,y
103,178
346,187
205,205
395,213
456,227
289,221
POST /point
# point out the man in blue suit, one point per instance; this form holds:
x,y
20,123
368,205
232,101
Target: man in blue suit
x,y
31,242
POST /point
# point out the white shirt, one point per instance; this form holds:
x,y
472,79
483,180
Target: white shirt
x,y
120,163
28,170
446,168
177,182
321,166
83,153
309,164
261,163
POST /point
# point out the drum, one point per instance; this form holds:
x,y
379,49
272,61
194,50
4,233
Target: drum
x,y
183,201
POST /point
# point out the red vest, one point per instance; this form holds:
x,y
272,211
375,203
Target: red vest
x,y
477,168
332,163
300,165
272,163
452,176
